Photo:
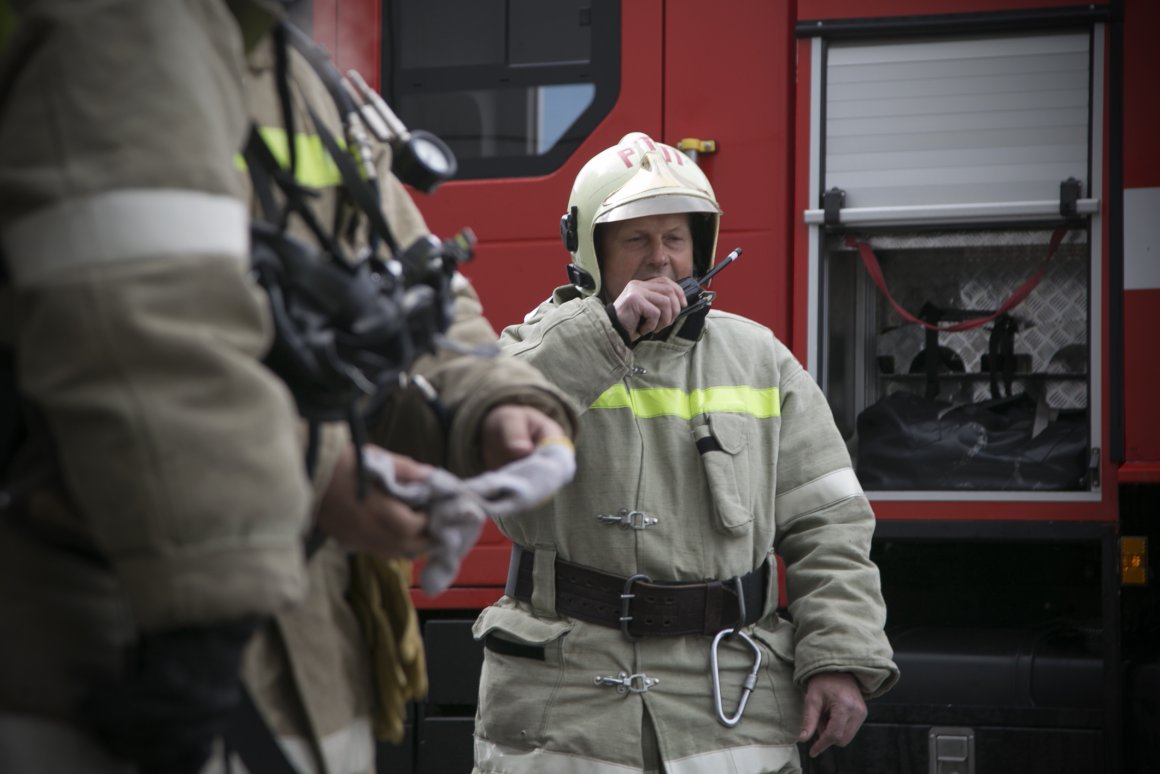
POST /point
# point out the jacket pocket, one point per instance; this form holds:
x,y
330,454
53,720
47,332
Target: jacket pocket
x,y
779,670
515,687
723,444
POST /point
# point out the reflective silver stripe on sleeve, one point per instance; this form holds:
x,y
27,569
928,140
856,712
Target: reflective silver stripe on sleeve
x,y
821,492
121,226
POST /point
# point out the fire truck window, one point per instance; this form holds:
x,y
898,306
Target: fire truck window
x,y
513,86
559,107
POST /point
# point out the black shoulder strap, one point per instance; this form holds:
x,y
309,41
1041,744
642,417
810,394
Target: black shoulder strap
x,y
248,735
282,72
265,170
361,191
258,160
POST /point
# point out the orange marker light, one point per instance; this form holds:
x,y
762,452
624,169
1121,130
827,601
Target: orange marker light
x,y
1134,561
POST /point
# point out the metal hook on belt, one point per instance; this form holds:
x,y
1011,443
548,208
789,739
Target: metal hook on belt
x,y
740,604
750,681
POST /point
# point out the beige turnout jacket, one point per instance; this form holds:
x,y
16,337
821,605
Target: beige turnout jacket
x,y
164,480
774,476
311,671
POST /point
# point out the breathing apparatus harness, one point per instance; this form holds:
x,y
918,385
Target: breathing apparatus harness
x,y
347,328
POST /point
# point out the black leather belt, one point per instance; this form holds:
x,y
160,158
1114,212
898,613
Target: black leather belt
x,y
641,607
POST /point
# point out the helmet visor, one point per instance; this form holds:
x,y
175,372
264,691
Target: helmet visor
x,y
656,205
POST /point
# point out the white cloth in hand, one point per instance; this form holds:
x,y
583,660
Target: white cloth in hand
x,y
456,508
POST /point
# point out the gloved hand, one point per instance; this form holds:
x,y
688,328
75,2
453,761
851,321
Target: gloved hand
x,y
380,596
457,508
175,700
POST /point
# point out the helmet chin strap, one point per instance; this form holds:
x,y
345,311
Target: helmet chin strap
x,y
580,278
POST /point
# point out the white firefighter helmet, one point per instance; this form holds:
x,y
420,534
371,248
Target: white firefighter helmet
x,y
636,177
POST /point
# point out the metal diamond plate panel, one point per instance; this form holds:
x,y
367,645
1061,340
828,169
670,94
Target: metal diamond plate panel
x,y
979,271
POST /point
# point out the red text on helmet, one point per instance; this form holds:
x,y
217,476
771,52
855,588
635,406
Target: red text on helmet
x,y
627,151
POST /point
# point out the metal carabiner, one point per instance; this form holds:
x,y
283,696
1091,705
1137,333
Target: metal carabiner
x,y
747,686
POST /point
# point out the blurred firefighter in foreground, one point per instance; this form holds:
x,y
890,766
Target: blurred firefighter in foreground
x,y
155,497
704,447
493,410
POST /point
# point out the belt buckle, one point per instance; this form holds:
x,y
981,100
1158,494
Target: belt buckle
x,y
626,596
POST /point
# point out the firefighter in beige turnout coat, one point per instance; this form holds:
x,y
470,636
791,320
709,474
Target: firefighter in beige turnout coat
x,y
319,686
704,446
160,498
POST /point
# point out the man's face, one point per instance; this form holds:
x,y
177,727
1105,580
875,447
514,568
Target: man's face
x,y
645,247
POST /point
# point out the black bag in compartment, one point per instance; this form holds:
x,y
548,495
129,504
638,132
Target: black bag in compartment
x,y
908,442
1011,442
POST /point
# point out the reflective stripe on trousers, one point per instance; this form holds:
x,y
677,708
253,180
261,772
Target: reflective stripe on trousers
x,y
754,759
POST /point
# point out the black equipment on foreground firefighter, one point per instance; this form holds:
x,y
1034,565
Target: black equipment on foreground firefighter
x,y
157,502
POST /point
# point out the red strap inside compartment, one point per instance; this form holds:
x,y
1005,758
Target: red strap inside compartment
x,y
1021,292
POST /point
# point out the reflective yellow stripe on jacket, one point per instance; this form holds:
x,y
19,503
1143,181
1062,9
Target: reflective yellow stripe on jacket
x,y
650,402
315,168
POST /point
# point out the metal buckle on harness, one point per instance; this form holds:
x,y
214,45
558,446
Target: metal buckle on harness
x,y
627,596
637,682
750,681
628,519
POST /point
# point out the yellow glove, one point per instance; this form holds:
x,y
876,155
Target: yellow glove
x,y
380,596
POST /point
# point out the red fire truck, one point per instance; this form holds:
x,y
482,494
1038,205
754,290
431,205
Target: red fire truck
x,y
986,166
